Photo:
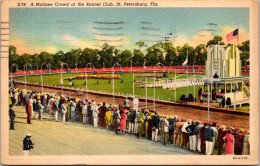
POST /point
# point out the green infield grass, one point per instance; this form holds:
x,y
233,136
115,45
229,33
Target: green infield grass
x,y
124,85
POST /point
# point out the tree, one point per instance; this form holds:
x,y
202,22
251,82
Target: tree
x,y
124,59
13,57
57,59
25,58
215,40
200,54
140,45
106,55
46,57
154,55
244,51
36,61
182,54
171,56
138,58
72,57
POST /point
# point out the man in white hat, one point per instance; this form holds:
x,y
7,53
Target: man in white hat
x,y
27,144
84,112
63,111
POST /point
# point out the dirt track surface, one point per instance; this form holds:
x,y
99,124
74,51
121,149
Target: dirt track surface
x,y
228,119
57,138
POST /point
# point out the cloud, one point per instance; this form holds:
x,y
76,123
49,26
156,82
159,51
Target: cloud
x,y
23,47
75,42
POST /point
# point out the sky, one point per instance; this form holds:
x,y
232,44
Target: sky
x,y
62,29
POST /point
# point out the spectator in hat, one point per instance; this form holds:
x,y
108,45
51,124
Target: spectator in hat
x,y
140,125
40,109
229,139
90,113
192,135
239,141
155,126
185,134
165,131
108,118
132,116
63,111
12,116
172,120
102,112
84,112
177,132
95,113
221,134
73,109
214,137
55,108
116,116
123,121
35,109
137,112
197,133
27,144
209,134
246,144
29,111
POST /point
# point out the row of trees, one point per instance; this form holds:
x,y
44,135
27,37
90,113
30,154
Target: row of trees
x,y
165,53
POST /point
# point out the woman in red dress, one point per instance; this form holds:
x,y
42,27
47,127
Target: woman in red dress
x,y
123,121
28,112
51,104
229,139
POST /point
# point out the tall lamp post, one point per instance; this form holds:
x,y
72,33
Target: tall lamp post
x,y
61,79
145,86
175,83
14,64
48,66
210,80
35,64
25,69
116,64
158,64
91,66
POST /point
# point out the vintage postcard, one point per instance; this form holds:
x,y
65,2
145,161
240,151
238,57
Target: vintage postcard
x,y
118,82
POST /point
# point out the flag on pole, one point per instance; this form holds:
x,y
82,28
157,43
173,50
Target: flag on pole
x,y
232,35
185,63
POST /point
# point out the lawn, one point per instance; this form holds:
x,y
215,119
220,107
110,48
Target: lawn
x,y
124,85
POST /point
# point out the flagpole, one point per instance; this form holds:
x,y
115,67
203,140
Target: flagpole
x,y
187,72
237,35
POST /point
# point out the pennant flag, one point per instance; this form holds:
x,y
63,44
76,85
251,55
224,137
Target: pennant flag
x,y
185,63
232,35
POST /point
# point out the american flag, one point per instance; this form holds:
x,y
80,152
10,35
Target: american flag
x,y
232,35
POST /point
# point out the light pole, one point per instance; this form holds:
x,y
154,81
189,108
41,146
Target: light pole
x,y
158,64
47,65
145,85
116,64
35,64
25,69
14,64
175,83
61,79
91,66
194,84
